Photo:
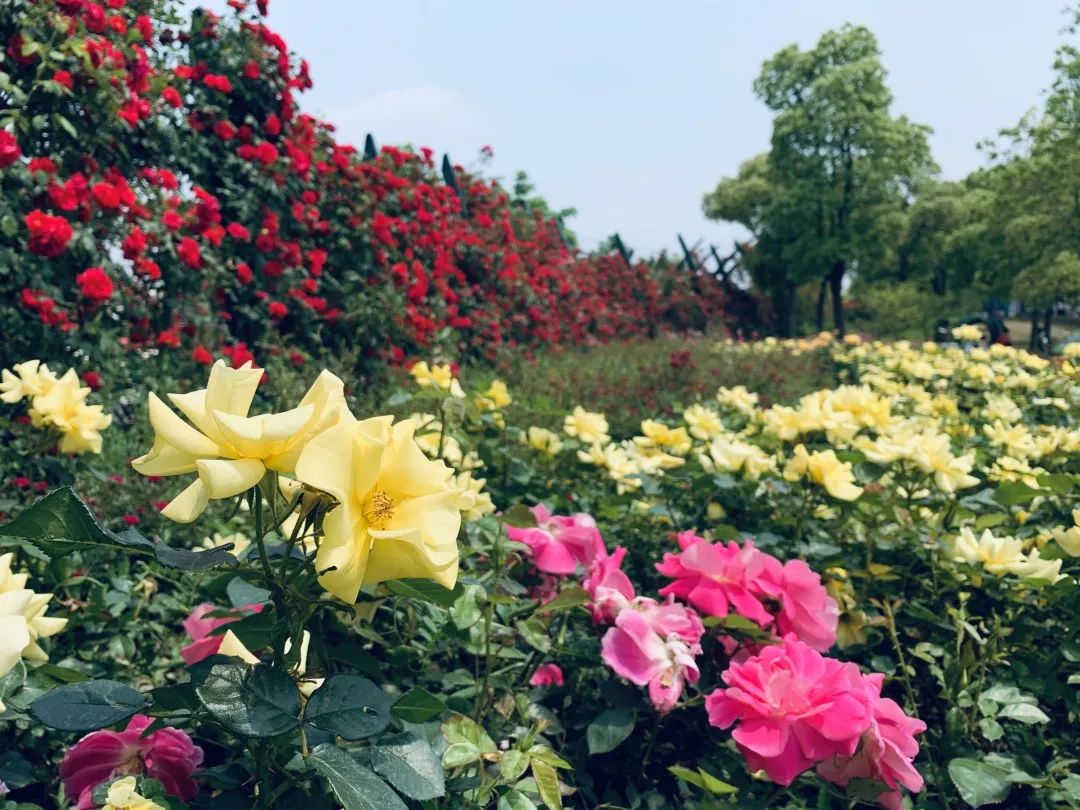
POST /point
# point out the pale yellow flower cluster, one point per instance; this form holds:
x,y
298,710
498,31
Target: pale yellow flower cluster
x,y
738,398
627,461
839,413
729,454
395,513
495,398
823,468
56,402
22,619
440,376
586,426
968,332
544,440
1004,555
1069,538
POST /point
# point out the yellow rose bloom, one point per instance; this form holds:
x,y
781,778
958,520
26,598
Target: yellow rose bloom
x,y
1069,539
437,376
61,404
22,619
704,422
229,450
996,554
397,514
589,427
659,435
123,796
25,380
825,469
544,440
495,398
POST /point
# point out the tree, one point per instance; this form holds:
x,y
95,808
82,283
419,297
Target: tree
x,y
847,167
1050,282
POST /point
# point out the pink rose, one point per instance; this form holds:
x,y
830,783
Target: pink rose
x,y
168,755
558,543
610,589
794,708
547,675
199,627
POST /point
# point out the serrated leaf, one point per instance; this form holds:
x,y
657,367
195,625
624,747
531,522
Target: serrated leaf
x,y
356,787
568,598
547,784
418,706
349,706
513,765
979,783
252,701
424,589
87,706
407,762
608,730
60,523
1024,713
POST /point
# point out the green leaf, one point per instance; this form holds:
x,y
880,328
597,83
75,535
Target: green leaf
x,y
513,765
1013,493
461,729
703,779
407,762
252,701
356,787
515,800
979,783
465,611
1059,483
186,559
349,706
60,523
418,706
534,632
519,516
87,706
547,784
569,598
15,772
609,729
242,593
990,520
458,755
424,589
1024,713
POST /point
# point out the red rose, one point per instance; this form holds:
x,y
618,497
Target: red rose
x,y
243,272
130,520
172,97
297,359
189,253
251,69
225,130
42,164
9,148
49,235
277,309
21,482
202,356
92,380
171,220
145,28
95,284
266,153
238,232
106,195
273,125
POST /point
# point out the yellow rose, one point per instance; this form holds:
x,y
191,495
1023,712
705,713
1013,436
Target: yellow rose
x,y
437,376
589,427
544,440
29,379
123,796
397,514
496,397
230,450
825,469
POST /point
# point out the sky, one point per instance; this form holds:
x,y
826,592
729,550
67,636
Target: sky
x,y
631,110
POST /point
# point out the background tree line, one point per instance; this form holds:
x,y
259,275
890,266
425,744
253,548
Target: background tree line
x,y
847,207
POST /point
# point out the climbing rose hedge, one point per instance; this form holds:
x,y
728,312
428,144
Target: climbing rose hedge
x,y
160,189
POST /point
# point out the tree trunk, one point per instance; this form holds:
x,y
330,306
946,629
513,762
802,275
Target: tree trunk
x,y
783,301
1034,329
1049,317
836,281
820,311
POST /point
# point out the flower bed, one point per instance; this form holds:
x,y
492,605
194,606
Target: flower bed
x,y
865,595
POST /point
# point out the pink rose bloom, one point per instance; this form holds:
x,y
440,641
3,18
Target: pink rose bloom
x,y
886,752
611,590
199,627
547,675
652,645
806,609
717,579
558,543
794,709
545,590
168,755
